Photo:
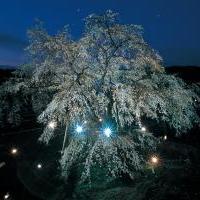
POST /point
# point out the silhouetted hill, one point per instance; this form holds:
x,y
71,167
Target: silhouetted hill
x,y
190,74
7,67
5,74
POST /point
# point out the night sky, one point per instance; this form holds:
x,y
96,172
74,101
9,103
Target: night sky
x,y
171,26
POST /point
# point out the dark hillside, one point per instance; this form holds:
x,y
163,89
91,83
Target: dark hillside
x,y
190,74
5,74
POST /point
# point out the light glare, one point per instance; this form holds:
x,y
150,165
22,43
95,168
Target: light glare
x,y
154,159
79,129
39,166
143,129
52,124
14,151
6,196
107,132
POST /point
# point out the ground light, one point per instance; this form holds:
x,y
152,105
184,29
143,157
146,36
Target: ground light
x,y
79,129
52,124
39,166
14,151
6,196
143,129
154,160
107,132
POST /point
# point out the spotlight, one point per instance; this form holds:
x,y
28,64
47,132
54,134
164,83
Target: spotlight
x,y
52,124
39,166
154,160
107,132
143,129
153,163
79,129
6,196
14,151
165,137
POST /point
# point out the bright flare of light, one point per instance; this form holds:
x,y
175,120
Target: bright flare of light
x,y
107,132
6,196
143,129
79,129
39,166
154,159
52,124
165,137
14,151
100,120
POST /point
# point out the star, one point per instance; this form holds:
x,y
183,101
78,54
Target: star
x,y
158,15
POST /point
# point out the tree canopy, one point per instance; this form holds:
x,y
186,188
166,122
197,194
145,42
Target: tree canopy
x,y
111,78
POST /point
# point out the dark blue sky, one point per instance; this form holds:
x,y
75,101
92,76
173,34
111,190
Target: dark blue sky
x,y
171,26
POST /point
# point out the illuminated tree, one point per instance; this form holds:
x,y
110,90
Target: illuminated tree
x,y
99,89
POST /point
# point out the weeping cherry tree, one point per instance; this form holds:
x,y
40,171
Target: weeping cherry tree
x,y
97,90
